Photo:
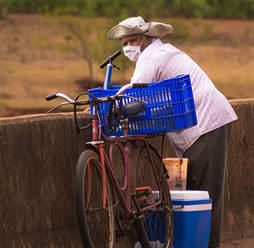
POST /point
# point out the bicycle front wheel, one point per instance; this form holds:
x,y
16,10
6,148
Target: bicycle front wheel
x,y
96,223
157,228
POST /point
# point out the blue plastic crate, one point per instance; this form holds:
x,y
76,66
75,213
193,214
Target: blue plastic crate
x,y
170,107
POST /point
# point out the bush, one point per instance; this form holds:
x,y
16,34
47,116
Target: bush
x,y
146,8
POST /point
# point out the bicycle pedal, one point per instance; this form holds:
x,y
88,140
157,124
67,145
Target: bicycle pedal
x,y
143,194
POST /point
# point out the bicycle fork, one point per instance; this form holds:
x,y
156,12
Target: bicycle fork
x,y
95,136
103,176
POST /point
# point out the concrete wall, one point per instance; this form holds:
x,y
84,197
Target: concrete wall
x,y
239,192
38,156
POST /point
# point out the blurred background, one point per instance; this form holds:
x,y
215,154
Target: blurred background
x,y
49,46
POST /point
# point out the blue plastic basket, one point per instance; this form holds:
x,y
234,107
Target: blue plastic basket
x,y
170,107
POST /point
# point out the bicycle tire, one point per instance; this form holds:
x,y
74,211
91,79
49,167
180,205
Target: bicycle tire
x,y
96,225
157,227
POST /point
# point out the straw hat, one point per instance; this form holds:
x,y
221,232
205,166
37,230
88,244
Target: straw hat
x,y
137,25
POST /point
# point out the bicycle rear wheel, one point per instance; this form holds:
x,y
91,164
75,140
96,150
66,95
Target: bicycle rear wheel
x,y
157,227
96,224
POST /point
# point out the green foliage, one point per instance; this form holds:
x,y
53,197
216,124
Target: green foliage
x,y
145,8
3,10
183,32
232,8
192,8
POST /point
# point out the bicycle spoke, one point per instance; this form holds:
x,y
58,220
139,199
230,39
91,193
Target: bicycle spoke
x,y
158,221
96,223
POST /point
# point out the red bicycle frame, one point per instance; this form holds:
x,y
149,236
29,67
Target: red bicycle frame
x,y
124,144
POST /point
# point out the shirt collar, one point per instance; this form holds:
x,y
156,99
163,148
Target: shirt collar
x,y
155,43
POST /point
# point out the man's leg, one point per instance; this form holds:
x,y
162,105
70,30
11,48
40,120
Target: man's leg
x,y
206,171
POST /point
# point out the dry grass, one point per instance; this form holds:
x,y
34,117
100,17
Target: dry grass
x,y
38,58
230,68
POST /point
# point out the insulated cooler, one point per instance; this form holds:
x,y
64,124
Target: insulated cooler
x,y
192,219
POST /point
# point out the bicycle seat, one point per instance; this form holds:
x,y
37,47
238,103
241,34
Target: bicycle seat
x,y
133,108
130,109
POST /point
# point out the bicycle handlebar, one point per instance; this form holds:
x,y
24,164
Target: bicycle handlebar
x,y
140,85
131,85
99,100
56,95
51,97
110,59
95,101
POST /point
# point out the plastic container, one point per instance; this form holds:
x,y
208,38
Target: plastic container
x,y
177,172
170,107
192,216
192,219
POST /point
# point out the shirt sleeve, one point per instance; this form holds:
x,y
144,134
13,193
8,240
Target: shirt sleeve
x,y
146,72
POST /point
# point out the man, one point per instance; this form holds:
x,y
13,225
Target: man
x,y
206,144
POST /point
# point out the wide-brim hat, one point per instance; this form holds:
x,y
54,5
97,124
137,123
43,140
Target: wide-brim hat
x,y
137,25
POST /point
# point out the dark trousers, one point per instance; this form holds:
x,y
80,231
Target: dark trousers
x,y
206,171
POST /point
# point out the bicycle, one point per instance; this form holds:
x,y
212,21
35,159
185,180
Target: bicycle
x,y
110,208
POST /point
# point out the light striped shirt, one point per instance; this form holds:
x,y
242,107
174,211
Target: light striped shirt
x,y
161,61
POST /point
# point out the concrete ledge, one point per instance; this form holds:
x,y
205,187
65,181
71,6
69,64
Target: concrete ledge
x,y
38,155
239,200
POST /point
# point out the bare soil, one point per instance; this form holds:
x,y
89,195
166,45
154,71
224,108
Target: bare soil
x,y
39,56
242,243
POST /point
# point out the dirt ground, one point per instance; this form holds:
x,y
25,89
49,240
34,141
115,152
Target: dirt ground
x,y
242,243
39,56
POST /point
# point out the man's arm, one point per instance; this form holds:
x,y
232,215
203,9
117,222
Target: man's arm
x,y
146,72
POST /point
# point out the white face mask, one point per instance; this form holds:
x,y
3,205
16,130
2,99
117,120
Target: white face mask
x,y
132,52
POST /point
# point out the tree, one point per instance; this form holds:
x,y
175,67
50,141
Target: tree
x,y
102,48
81,35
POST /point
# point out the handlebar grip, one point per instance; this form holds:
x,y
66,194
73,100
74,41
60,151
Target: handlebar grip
x,y
140,85
115,55
110,59
51,97
104,64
